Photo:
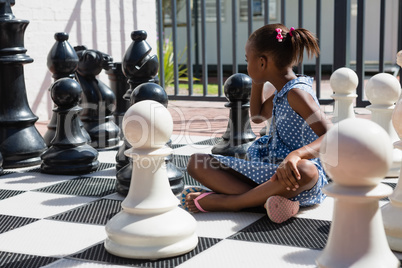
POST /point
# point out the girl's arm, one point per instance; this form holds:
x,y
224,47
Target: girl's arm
x,y
303,104
260,110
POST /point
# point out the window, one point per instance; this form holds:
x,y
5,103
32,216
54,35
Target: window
x,y
258,9
210,10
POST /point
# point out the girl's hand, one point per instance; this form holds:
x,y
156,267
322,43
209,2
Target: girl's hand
x,y
287,173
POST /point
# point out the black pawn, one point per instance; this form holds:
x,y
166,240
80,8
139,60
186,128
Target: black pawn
x,y
69,152
20,142
62,61
138,67
145,91
98,100
239,135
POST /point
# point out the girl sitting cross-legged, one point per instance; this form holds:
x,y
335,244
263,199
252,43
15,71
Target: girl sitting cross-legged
x,y
282,170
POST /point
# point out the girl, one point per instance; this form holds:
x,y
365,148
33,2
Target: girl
x,y
282,170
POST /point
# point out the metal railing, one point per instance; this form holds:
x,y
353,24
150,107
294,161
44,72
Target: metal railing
x,y
196,20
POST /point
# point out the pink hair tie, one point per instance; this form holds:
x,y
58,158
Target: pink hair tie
x,y
291,30
279,35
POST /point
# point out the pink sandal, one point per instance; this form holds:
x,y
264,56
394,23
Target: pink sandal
x,y
195,189
280,209
201,196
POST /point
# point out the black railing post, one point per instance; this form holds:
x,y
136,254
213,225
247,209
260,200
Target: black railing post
x,y
360,70
341,34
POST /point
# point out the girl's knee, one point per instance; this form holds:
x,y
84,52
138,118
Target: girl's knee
x,y
308,172
196,163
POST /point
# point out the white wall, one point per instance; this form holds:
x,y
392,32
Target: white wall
x,y
105,25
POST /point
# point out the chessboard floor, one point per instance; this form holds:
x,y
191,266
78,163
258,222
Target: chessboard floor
x,y
59,221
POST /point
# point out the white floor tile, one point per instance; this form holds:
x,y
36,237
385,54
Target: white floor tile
x,y
30,181
40,205
223,224
231,253
322,211
51,238
66,263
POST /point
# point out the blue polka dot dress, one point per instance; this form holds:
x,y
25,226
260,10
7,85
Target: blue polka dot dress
x,y
288,132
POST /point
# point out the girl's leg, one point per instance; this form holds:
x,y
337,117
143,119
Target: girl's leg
x,y
248,196
217,177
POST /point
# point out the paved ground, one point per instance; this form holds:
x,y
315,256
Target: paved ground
x,y
208,118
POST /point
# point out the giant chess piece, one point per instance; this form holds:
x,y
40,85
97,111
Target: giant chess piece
x,y
150,225
357,153
62,61
20,142
392,211
69,152
98,101
343,82
139,67
239,135
383,91
149,91
119,85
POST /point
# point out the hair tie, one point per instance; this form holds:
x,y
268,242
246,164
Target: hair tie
x,y
291,30
279,35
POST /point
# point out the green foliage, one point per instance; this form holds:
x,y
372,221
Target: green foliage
x,y
168,64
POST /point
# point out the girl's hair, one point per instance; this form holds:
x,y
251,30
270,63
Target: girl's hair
x,y
288,51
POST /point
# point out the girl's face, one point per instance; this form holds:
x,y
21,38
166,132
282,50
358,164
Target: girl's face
x,y
254,64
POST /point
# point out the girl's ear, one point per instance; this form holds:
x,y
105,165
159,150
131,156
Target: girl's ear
x,y
263,60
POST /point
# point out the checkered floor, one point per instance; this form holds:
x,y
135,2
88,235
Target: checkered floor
x,y
59,221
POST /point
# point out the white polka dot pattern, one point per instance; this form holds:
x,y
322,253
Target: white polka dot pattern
x,y
288,132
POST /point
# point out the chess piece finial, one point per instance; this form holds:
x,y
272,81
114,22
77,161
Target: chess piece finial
x,y
69,152
343,82
383,91
392,211
5,9
239,135
150,225
357,153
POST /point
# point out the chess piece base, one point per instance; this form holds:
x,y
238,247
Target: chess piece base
x,y
151,236
76,160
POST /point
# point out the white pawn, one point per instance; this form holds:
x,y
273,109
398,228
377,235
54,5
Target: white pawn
x,y
392,211
383,91
356,154
150,225
343,82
